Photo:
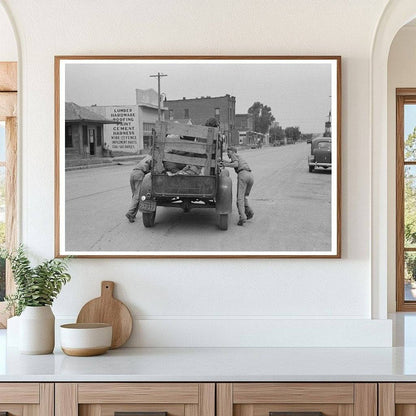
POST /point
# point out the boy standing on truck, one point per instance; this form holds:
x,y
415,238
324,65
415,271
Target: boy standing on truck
x,y
136,179
245,182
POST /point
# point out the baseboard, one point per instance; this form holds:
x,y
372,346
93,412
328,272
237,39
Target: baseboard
x,y
165,332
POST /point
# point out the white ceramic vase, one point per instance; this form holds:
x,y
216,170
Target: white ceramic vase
x,y
37,330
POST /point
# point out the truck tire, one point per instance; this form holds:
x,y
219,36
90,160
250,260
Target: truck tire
x,y
311,168
148,219
224,197
223,222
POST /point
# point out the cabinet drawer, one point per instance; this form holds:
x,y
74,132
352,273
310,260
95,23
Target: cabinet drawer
x,y
108,399
297,399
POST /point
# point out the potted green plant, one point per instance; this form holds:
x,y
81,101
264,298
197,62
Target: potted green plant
x,y
36,289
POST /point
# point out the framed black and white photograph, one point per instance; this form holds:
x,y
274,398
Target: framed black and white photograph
x,y
198,156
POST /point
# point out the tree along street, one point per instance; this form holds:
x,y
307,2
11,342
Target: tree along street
x,y
292,210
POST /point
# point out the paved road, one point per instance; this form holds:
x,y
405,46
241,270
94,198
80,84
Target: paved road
x,y
292,211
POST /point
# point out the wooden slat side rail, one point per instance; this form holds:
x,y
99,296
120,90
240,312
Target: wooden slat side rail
x,y
159,151
365,399
178,129
8,105
8,76
66,399
186,160
138,393
209,163
190,147
207,399
27,393
386,399
224,399
405,393
293,393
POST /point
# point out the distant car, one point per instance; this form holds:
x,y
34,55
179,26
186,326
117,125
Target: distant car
x,y
320,156
309,140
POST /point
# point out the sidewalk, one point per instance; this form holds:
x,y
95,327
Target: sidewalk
x,y
97,162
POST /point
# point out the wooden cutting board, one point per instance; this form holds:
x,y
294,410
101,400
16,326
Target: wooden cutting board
x,y
107,309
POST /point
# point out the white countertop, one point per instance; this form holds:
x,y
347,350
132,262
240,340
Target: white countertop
x,y
213,364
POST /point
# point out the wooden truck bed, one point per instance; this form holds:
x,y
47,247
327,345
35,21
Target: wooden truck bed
x,y
185,145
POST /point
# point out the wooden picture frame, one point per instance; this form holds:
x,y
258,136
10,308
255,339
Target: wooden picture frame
x,y
404,97
282,115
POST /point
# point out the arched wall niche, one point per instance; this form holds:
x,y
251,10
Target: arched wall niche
x,y
396,15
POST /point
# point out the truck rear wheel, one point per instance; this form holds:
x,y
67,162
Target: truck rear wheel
x,y
223,222
148,219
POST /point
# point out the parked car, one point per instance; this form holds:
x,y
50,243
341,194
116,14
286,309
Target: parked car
x,y
320,156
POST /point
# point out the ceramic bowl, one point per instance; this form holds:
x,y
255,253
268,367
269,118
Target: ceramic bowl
x,y
83,340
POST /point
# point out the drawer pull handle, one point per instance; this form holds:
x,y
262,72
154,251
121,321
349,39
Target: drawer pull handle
x,y
139,414
296,414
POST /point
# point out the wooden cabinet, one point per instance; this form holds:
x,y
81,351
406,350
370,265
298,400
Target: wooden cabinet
x,y
208,399
296,399
27,399
397,399
106,399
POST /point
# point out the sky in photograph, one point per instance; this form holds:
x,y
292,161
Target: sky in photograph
x,y
298,94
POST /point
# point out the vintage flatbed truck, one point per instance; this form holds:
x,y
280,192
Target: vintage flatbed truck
x,y
180,145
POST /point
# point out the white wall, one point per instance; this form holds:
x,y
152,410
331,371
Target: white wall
x,y
8,47
211,302
401,74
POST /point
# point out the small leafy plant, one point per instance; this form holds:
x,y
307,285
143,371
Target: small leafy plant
x,y
35,286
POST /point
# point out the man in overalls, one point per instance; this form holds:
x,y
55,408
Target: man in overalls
x,y
136,179
244,183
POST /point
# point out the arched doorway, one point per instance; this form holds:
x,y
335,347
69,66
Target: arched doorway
x,y
396,14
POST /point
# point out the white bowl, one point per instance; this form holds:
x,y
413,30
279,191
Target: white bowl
x,y
83,340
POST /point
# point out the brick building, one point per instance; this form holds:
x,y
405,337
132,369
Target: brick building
x,y
244,124
199,110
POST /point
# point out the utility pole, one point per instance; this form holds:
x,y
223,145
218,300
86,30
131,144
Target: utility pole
x,y
159,111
